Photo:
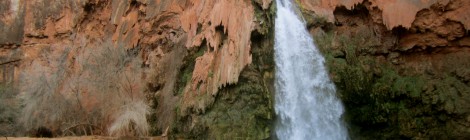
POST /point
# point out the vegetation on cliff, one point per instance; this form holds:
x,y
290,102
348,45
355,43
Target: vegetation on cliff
x,y
391,93
98,97
85,67
206,68
241,110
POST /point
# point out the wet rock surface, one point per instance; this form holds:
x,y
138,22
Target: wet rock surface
x,y
398,65
402,66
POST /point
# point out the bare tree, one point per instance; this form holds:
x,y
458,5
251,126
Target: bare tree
x,y
101,94
8,110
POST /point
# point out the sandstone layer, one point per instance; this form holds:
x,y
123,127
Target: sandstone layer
x,y
186,52
394,13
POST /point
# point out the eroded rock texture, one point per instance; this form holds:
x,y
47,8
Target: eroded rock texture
x,y
393,13
194,54
206,66
401,66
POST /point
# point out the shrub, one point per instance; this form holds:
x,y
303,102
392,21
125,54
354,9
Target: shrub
x,y
115,75
132,120
8,110
84,95
42,105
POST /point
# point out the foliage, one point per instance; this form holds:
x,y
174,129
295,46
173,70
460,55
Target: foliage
x,y
243,110
381,100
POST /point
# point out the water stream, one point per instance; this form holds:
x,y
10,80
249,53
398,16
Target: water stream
x,y
306,103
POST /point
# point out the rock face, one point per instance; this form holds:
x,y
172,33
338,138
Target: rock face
x,y
191,52
401,66
206,66
394,13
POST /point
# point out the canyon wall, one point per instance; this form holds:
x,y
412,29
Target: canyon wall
x,y
204,66
401,66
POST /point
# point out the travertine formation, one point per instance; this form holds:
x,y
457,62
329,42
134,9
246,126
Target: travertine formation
x,y
225,29
195,52
166,34
223,26
394,12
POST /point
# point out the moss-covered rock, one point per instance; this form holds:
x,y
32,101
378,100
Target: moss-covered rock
x,y
390,96
239,111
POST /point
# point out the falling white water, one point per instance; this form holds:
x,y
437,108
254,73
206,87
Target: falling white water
x,y
306,102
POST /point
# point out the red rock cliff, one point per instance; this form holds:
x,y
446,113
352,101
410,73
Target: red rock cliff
x,y
400,66
394,13
190,49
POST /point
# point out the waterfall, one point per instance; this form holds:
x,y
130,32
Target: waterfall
x,y
306,102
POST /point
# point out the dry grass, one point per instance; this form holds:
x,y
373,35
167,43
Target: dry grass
x,y
132,120
99,90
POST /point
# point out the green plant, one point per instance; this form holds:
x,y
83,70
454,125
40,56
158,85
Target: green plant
x,y
211,74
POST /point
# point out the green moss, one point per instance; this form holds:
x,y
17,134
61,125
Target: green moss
x,y
240,111
243,110
186,71
382,103
211,74
185,78
264,17
385,97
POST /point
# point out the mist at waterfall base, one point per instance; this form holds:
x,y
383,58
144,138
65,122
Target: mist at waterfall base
x,y
305,102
